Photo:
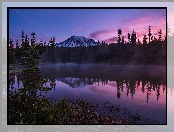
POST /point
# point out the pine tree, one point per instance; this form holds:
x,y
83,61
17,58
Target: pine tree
x,y
32,83
139,41
129,40
122,40
31,79
98,42
133,37
119,35
11,52
160,34
149,34
145,39
25,44
18,52
51,49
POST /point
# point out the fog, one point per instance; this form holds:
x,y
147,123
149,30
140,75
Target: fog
x,y
105,71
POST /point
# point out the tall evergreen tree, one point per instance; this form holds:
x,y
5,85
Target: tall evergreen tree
x,y
32,83
160,35
52,50
119,35
18,52
149,34
11,52
129,39
133,37
145,39
122,40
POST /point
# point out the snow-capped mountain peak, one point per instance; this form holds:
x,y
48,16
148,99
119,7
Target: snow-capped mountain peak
x,y
76,41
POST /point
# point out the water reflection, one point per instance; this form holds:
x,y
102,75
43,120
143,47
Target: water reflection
x,y
121,85
78,77
127,78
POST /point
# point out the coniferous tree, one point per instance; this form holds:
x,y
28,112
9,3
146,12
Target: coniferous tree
x,y
129,40
25,44
11,52
145,39
119,35
32,83
139,41
18,52
122,40
52,50
160,34
98,42
17,48
149,34
133,37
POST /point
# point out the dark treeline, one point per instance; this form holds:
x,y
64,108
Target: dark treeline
x,y
131,52
150,54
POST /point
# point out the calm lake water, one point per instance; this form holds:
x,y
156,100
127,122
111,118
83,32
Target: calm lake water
x,y
139,89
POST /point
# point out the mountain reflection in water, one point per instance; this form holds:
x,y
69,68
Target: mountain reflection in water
x,y
129,86
148,79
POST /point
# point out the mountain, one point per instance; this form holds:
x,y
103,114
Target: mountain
x,y
76,41
77,82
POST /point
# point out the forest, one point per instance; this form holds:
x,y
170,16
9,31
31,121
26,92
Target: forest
x,y
133,52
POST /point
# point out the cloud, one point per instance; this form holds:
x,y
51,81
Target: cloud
x,y
139,22
146,16
142,23
144,19
97,34
110,40
43,30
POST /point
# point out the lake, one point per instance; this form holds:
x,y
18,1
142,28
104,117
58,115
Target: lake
x,y
140,90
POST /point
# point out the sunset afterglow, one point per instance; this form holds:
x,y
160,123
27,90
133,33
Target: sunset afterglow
x,y
97,24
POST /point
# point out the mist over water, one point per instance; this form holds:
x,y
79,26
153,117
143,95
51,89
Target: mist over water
x,y
105,71
140,89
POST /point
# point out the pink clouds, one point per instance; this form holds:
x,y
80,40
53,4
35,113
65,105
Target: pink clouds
x,y
148,16
106,35
141,22
110,40
98,33
141,28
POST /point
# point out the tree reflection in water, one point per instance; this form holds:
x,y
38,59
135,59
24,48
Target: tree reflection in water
x,y
130,86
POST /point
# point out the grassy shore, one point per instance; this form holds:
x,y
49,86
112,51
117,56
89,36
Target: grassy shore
x,y
24,109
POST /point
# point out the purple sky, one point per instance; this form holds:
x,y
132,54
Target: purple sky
x,y
98,24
